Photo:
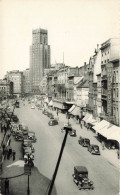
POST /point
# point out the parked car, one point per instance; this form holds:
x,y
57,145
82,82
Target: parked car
x,y
31,136
84,141
51,116
80,177
53,122
94,149
73,133
32,107
25,130
19,137
15,118
28,143
45,112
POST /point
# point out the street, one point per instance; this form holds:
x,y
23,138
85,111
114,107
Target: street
x,y
49,140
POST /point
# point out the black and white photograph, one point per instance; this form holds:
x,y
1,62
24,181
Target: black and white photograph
x,y
59,97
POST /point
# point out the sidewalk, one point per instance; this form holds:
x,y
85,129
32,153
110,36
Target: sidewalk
x,y
109,155
18,182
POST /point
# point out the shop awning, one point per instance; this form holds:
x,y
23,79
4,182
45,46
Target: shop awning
x,y
112,133
89,118
58,105
103,130
100,125
93,122
72,108
86,117
76,111
50,103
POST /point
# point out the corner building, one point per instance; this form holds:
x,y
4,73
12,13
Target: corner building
x,y
39,58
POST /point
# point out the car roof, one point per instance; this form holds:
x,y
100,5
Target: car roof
x,y
94,145
81,169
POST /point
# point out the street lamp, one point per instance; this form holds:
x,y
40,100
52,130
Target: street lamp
x,y
67,129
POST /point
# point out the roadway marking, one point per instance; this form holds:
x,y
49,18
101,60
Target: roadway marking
x,y
19,163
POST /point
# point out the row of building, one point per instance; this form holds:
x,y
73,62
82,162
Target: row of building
x,y
93,87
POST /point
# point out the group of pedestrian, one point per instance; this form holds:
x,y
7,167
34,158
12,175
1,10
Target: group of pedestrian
x,y
10,153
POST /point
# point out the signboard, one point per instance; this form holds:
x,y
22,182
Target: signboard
x,y
27,169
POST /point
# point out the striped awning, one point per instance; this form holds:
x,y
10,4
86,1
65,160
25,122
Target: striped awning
x,y
72,108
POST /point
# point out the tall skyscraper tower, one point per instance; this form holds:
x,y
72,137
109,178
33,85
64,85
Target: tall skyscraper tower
x,y
39,57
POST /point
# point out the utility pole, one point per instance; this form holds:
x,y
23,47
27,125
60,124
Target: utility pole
x,y
67,129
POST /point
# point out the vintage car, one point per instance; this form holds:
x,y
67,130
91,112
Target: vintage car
x,y
80,177
94,149
25,129
45,112
84,141
53,122
19,137
15,118
31,136
28,143
51,116
72,132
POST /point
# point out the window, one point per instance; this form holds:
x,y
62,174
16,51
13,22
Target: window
x,y
117,92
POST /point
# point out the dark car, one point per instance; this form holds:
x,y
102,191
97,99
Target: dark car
x,y
80,177
45,112
53,122
27,143
51,116
94,149
31,136
84,141
73,133
15,118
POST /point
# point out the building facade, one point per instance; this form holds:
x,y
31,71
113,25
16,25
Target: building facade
x,y
16,77
39,57
26,81
110,80
6,89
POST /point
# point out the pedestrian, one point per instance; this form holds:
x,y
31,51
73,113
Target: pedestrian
x,y
3,149
5,153
57,112
14,153
9,141
103,145
10,151
6,185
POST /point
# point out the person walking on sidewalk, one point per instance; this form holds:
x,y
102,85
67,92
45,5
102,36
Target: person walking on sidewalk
x,y
103,145
6,185
14,153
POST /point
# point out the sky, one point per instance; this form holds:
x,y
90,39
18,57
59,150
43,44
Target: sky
x,y
75,27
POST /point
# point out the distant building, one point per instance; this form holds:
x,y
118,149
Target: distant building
x,y
16,77
26,81
6,89
39,57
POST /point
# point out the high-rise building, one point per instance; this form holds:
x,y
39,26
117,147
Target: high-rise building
x,y
39,57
